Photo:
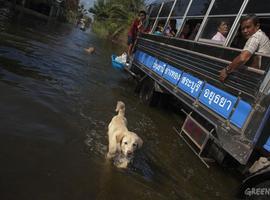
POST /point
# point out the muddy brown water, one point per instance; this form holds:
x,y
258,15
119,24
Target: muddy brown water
x,y
56,102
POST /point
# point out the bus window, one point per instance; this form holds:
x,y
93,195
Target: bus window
x,y
180,8
151,24
239,41
178,24
257,6
171,29
198,7
217,29
155,11
190,29
265,25
165,11
148,9
159,29
226,7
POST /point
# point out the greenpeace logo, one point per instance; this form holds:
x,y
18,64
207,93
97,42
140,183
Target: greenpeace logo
x,y
257,192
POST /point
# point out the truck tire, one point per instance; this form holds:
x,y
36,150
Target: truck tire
x,y
147,93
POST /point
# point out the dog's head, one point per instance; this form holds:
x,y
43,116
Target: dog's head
x,y
130,143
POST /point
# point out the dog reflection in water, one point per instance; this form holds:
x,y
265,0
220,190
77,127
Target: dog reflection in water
x,y
122,142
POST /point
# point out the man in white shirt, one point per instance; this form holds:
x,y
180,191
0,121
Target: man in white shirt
x,y
257,42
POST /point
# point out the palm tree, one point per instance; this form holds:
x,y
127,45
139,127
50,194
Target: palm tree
x,y
100,10
116,8
115,15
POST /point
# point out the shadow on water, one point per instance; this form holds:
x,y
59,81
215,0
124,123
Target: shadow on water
x,y
15,67
56,102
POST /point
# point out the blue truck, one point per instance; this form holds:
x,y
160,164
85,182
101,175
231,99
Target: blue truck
x,y
224,121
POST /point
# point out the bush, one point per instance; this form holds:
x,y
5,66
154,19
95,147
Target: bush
x,y
113,17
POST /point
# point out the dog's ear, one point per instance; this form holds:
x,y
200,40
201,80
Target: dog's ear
x,y
140,142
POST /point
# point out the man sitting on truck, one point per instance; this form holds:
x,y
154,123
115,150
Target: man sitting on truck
x,y
257,41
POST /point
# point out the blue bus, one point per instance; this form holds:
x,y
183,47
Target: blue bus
x,y
224,120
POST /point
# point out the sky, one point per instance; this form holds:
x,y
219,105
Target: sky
x,y
87,3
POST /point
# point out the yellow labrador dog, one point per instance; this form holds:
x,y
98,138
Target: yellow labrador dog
x,y
122,142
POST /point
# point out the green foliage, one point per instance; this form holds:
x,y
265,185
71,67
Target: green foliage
x,y
98,27
71,9
111,17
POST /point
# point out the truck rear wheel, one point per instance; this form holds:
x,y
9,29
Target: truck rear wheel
x,y
147,94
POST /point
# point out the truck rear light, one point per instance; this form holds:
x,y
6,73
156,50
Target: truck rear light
x,y
195,132
196,137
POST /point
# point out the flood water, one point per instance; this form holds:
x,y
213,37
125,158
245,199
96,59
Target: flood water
x,y
55,104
